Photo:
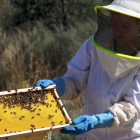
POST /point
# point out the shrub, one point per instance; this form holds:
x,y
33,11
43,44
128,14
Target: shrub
x,y
39,53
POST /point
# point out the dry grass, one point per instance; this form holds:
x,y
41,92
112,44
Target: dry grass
x,y
38,53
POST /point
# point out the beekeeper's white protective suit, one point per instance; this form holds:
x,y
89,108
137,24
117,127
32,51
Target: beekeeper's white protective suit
x,y
111,80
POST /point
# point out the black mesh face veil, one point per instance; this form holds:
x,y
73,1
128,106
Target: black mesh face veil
x,y
104,36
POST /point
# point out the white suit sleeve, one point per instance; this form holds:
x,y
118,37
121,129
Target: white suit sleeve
x,y
71,91
124,113
128,111
76,76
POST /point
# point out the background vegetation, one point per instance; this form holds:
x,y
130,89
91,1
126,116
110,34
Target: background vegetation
x,y
39,37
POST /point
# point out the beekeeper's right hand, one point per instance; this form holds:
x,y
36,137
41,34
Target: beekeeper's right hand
x,y
59,82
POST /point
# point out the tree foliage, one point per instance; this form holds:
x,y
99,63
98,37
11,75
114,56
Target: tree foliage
x,y
54,12
34,10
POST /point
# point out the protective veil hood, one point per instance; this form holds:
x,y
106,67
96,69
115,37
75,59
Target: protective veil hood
x,y
116,64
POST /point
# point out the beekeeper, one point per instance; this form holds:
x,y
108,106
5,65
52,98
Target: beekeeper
x,y
107,67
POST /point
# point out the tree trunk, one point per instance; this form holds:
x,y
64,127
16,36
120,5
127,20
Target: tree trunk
x,y
1,1
64,16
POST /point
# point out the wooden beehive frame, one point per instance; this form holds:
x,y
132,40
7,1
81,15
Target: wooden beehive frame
x,y
52,89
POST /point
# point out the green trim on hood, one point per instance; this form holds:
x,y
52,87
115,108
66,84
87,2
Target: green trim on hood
x,y
115,53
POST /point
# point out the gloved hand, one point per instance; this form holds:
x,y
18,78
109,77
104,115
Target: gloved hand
x,y
59,82
85,123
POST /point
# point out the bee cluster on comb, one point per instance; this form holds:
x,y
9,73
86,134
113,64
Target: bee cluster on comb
x,y
31,110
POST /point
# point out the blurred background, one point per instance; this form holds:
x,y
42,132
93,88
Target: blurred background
x,y
37,40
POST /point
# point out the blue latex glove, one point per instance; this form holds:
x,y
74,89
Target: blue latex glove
x,y
59,82
85,123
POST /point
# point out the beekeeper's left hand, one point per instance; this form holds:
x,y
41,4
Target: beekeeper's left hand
x,y
85,123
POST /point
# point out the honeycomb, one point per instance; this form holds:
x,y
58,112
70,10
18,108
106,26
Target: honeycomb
x,y
31,110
